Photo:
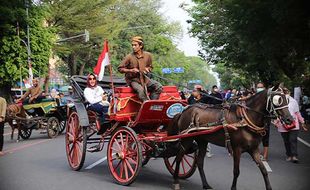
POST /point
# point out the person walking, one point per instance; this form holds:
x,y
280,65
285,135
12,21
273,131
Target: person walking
x,y
290,135
2,119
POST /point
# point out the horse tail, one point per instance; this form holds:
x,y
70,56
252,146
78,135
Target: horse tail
x,y
173,127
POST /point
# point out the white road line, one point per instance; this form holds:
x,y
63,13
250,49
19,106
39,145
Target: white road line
x,y
268,168
303,141
96,163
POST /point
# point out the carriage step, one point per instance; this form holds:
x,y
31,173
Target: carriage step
x,y
95,148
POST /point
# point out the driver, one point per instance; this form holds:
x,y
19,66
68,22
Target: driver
x,y
136,66
34,91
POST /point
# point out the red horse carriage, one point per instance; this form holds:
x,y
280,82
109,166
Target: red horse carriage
x,y
135,131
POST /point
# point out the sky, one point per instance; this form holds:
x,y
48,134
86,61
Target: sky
x,y
173,12
187,44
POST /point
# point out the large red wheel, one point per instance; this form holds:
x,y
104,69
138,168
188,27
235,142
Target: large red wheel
x,y
76,142
124,156
187,166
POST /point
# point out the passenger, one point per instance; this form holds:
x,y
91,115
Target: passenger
x,y
136,66
95,95
35,93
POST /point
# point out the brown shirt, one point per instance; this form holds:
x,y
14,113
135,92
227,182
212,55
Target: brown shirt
x,y
133,61
2,108
34,91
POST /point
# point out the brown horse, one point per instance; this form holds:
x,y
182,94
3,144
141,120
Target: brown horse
x,y
13,112
246,121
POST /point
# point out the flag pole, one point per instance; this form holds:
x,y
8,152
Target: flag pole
x,y
111,77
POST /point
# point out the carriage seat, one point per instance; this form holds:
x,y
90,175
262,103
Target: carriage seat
x,y
169,92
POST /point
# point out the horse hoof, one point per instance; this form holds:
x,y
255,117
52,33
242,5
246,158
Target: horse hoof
x,y
176,187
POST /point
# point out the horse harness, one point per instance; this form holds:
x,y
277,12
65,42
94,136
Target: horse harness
x,y
244,122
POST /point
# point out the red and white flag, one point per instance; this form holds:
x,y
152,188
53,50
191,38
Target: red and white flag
x,y
103,61
30,74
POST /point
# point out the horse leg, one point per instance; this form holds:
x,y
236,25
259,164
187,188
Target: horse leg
x,y
184,146
200,160
256,157
236,157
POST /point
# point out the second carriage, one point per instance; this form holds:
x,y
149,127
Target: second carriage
x,y
135,131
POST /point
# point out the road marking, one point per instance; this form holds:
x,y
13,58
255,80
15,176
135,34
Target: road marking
x,y
12,150
268,168
96,163
303,141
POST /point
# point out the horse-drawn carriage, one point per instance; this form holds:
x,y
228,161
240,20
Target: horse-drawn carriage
x,y
135,130
47,115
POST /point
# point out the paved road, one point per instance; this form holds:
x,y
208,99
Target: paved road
x,y
41,164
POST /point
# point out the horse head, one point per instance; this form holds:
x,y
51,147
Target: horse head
x,y
277,104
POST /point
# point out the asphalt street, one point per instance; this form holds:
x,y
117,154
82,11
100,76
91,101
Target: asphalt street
x,y
40,163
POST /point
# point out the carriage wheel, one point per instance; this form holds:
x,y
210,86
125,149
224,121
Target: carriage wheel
x,y
62,126
187,165
124,156
76,142
52,127
145,153
25,133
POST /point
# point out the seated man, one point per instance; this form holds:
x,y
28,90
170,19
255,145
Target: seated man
x,y
35,93
94,94
136,66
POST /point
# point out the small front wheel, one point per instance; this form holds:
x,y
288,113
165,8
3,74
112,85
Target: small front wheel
x,y
52,127
124,155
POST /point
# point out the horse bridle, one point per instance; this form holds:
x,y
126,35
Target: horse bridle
x,y
274,103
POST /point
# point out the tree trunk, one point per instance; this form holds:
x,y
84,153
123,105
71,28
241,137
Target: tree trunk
x,y
84,63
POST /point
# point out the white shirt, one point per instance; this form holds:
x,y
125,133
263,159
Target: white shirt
x,y
93,95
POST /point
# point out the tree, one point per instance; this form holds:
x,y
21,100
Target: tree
x,y
268,40
13,52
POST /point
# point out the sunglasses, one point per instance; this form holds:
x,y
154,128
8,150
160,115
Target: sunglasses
x,y
92,78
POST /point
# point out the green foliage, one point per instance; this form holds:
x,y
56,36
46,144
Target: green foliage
x,y
13,52
267,40
118,21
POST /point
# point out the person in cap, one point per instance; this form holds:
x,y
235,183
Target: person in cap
x,y
136,67
198,96
34,93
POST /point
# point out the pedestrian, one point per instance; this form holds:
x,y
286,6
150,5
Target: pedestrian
x,y
2,119
260,86
290,135
137,67
215,93
198,96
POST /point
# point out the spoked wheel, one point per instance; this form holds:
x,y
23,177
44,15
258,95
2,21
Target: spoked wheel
x,y
187,165
124,156
52,127
76,142
62,126
25,133
145,153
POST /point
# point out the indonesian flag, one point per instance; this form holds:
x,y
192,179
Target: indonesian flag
x,y
30,74
103,61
